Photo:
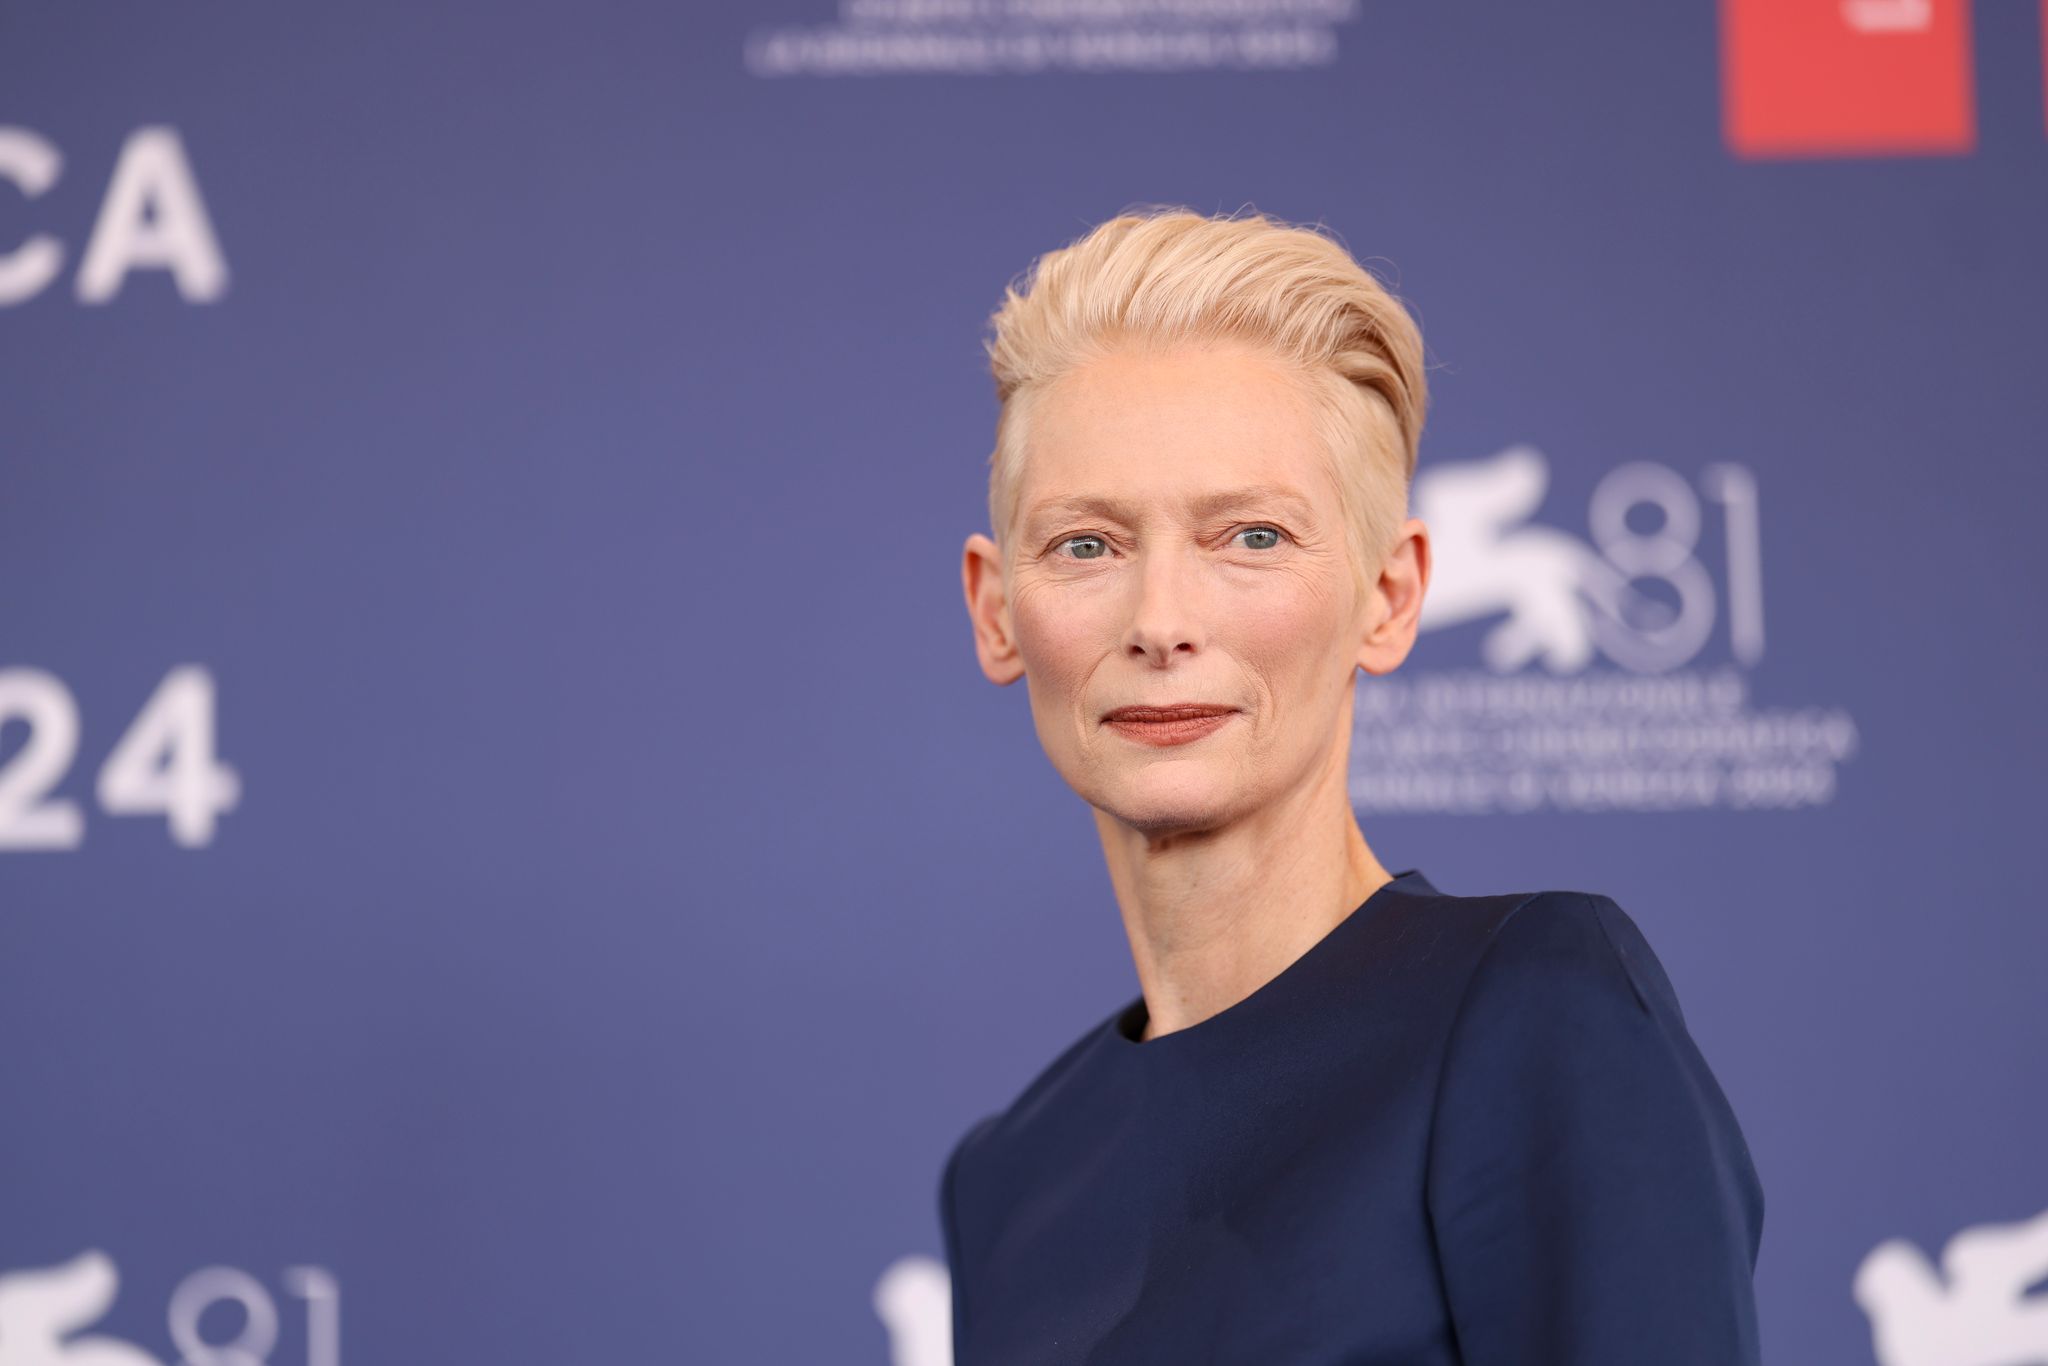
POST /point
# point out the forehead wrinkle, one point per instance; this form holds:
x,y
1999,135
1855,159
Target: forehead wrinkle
x,y
1198,505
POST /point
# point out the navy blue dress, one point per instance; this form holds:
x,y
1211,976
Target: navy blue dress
x,y
1458,1131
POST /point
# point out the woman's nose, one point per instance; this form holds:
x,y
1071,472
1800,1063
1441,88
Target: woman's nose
x,y
1167,605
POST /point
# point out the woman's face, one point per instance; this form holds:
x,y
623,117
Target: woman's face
x,y
1179,538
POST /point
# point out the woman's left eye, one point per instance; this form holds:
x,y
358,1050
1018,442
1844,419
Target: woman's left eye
x,y
1261,531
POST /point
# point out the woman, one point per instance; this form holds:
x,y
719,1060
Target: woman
x,y
1350,1118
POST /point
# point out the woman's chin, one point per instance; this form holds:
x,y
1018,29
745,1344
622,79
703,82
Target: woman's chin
x,y
1159,800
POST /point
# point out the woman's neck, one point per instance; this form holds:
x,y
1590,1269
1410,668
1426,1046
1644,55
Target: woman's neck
x,y
1212,916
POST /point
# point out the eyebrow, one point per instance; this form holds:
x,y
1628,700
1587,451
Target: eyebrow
x,y
1203,505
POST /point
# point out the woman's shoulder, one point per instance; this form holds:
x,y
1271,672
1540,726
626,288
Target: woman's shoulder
x,y
1554,937
1568,1013
1578,1136
1048,1093
1566,940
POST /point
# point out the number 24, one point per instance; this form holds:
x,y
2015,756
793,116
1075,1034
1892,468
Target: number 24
x,y
163,763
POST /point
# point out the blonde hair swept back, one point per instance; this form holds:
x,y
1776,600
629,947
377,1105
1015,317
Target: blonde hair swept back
x,y
1163,275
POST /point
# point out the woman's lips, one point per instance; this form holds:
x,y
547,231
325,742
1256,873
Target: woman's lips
x,y
1166,725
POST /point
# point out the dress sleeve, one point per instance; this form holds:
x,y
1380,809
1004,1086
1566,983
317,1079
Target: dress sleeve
x,y
1591,1195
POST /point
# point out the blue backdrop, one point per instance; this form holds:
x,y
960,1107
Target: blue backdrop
x,y
505,852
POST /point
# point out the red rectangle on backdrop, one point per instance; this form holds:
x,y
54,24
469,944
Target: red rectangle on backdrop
x,y
1847,77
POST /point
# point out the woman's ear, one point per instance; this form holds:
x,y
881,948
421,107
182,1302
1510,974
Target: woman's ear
x,y
1396,609
988,607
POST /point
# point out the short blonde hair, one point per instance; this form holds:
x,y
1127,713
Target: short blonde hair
x,y
1163,275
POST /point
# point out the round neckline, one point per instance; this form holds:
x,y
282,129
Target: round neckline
x,y
1135,1014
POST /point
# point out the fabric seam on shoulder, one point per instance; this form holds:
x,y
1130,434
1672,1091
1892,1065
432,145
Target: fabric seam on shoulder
x,y
1443,1069
1628,967
1465,996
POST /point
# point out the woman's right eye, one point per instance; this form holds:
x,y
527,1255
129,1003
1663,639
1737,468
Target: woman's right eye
x,y
1084,541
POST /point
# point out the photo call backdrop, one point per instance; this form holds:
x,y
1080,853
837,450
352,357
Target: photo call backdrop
x,y
506,853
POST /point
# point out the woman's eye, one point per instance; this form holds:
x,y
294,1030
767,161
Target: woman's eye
x,y
1093,547
1262,531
